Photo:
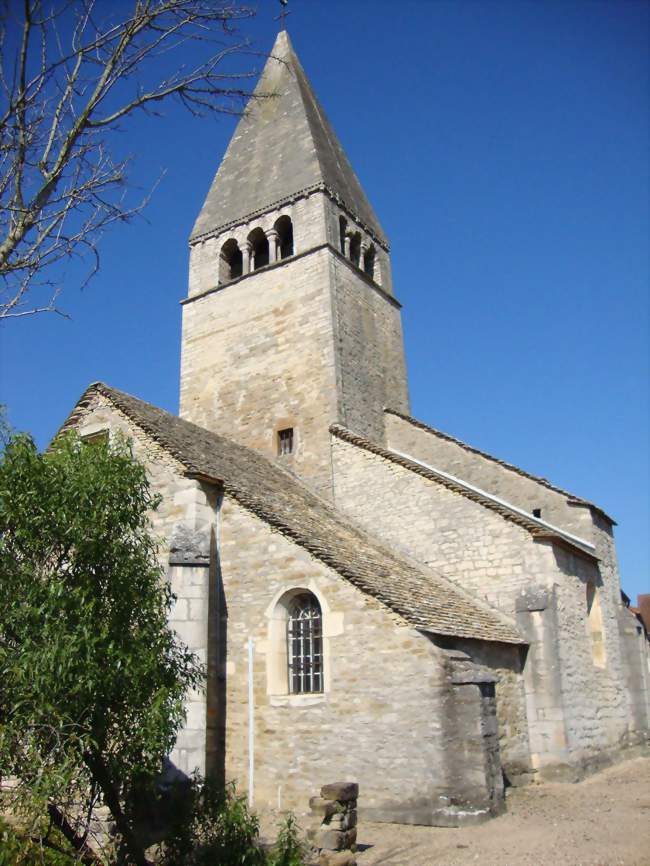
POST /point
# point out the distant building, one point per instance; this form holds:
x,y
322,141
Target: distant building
x,y
374,599
643,610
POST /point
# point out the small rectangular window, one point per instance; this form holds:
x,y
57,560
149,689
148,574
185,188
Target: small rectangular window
x,y
537,512
98,438
285,441
487,690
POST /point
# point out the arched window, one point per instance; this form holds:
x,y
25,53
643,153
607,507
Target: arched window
x,y
355,249
305,645
343,225
284,228
259,249
230,261
369,261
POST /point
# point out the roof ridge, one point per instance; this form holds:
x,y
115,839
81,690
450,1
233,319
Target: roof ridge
x,y
422,597
536,528
573,499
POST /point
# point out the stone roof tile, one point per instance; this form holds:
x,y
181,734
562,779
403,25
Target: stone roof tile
x,y
282,146
421,596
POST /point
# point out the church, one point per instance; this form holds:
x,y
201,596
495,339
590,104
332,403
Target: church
x,y
373,599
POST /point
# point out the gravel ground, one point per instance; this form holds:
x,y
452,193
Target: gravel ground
x,y
603,821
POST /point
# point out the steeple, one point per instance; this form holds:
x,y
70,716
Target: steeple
x,y
283,145
290,323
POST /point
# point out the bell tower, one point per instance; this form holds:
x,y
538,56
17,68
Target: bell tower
x,y
290,323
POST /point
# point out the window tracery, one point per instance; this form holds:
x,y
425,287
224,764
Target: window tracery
x,y
305,645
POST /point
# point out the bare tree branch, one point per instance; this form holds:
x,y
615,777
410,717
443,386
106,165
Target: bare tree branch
x,y
67,79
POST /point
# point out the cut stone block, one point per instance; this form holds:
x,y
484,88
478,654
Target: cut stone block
x,y
319,806
343,820
342,791
337,858
336,840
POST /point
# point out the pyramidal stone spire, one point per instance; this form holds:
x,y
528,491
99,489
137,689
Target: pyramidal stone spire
x,y
283,146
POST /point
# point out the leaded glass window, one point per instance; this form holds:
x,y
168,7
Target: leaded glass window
x,y
285,441
305,645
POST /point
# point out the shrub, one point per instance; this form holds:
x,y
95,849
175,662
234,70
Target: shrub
x,y
212,826
16,849
289,849
92,676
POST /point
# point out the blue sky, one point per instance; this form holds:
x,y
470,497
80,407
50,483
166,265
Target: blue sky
x,y
504,146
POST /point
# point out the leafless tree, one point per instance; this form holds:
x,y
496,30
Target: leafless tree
x,y
71,71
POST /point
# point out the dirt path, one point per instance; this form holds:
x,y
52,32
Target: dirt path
x,y
603,821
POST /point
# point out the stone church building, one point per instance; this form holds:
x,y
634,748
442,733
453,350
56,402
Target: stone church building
x,y
373,599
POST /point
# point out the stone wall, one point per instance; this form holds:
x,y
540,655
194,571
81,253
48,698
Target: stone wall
x,y
471,717
370,351
491,475
595,697
302,343
393,714
506,664
637,667
614,611
476,547
382,719
557,507
258,357
573,707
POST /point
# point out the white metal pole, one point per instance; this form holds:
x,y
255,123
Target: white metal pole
x,y
251,725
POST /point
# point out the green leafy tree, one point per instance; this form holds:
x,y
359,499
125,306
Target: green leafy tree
x,y
92,678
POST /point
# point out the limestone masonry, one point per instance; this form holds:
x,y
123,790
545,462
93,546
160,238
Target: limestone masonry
x,y
373,599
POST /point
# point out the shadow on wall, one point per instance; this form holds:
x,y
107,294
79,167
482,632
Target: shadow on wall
x,y
216,701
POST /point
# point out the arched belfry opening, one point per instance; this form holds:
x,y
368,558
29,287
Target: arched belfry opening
x,y
259,249
355,249
230,261
343,226
369,261
284,228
